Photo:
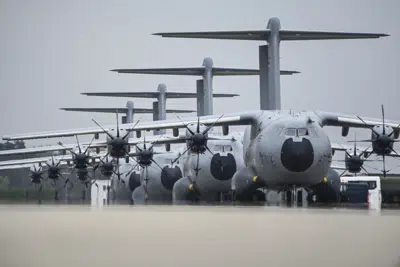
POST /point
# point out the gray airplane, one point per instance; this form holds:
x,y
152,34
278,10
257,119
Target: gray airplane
x,y
281,149
262,144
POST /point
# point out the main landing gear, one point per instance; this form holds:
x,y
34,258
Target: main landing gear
x,y
294,197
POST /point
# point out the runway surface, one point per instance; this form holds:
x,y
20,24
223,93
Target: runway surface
x,y
77,236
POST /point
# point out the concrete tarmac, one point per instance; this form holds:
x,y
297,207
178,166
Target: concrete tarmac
x,y
76,236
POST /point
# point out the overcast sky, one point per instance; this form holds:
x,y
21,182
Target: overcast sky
x,y
51,51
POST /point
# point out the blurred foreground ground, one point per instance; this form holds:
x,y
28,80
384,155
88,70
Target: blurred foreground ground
x,y
114,236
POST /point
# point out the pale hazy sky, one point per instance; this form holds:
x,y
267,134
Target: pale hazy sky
x,y
51,51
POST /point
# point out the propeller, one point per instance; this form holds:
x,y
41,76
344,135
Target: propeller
x,y
106,167
354,162
145,156
197,141
53,173
119,145
144,160
36,176
80,159
382,142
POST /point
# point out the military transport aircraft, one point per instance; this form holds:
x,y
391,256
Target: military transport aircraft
x,y
281,148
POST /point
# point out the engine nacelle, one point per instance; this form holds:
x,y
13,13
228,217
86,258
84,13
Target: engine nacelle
x,y
382,145
225,129
396,134
345,130
168,147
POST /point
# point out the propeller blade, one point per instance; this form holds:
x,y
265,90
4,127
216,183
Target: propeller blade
x,y
118,173
154,143
175,160
67,180
394,151
384,166
128,132
152,160
198,125
79,147
106,132
187,127
212,125
116,113
371,128
390,135
132,169
383,119
144,140
365,151
87,148
364,170
145,184
197,165
355,144
208,149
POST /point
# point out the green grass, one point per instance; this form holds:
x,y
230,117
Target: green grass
x,y
16,194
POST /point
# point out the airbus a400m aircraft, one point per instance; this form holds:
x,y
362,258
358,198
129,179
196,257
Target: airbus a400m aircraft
x,y
281,148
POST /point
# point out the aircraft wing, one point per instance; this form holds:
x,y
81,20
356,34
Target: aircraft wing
x,y
337,167
337,119
344,147
217,120
164,139
42,149
64,158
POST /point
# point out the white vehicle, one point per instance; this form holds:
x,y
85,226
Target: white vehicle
x,y
374,188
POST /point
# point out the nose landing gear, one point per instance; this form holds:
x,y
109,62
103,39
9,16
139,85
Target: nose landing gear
x,y
294,197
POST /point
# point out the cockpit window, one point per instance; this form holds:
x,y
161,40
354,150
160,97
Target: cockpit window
x,y
223,148
290,132
302,132
296,132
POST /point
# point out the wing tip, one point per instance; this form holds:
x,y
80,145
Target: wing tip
x,y
289,72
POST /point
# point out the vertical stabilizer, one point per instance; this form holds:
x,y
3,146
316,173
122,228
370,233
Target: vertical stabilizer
x,y
155,115
208,65
200,97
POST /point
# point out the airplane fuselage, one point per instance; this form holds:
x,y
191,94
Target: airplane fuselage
x,y
287,150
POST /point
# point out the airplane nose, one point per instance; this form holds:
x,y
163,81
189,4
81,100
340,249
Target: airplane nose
x,y
297,156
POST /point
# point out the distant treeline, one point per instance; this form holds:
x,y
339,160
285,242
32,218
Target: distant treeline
x,y
16,178
12,145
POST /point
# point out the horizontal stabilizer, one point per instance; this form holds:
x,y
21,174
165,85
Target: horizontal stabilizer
x,y
244,72
154,95
125,94
263,35
198,71
124,110
165,71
